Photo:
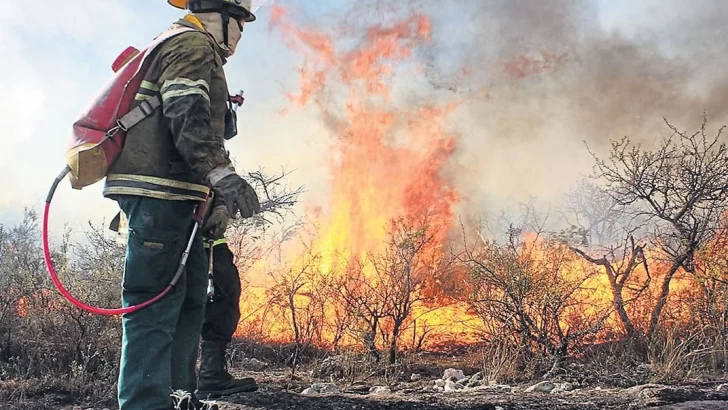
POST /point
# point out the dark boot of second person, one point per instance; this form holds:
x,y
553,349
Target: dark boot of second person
x,y
214,380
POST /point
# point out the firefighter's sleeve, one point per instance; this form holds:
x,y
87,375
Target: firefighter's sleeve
x,y
185,90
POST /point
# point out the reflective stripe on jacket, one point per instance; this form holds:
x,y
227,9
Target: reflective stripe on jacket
x,y
167,155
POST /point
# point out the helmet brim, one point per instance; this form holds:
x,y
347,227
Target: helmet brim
x,y
247,16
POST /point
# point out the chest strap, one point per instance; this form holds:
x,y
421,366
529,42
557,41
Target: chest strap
x,y
144,110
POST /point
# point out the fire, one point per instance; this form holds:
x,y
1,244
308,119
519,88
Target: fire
x,y
377,174
386,161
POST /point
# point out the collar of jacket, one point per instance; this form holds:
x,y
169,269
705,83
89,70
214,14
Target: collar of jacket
x,y
190,21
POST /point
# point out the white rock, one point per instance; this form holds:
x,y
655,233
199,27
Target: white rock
x,y
562,387
456,373
440,383
330,388
323,388
542,387
330,366
307,392
380,390
452,386
415,377
723,388
464,380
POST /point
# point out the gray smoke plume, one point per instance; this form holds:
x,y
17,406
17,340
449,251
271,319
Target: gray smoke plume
x,y
535,79
539,78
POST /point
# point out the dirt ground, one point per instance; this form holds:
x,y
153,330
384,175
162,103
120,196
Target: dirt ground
x,y
603,399
689,397
443,401
276,393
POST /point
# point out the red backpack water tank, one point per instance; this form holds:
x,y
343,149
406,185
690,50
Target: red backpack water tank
x,y
98,135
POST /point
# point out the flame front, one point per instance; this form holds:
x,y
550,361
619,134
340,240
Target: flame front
x,y
386,161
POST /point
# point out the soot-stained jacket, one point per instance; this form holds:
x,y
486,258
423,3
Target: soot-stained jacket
x,y
168,154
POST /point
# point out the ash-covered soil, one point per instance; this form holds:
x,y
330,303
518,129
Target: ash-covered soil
x,y
582,399
275,394
268,399
451,389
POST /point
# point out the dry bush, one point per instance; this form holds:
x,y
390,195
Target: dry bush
x,y
46,344
530,291
679,187
297,299
614,363
676,357
501,361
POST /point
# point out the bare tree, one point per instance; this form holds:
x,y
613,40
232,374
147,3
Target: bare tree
x,y
680,187
533,289
296,293
619,264
603,219
368,302
340,316
409,261
383,290
594,211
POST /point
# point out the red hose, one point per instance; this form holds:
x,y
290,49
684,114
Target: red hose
x,y
66,294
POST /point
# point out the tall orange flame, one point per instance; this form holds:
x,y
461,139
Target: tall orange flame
x,y
386,162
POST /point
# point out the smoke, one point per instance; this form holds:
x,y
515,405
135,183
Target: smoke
x,y
534,81
539,78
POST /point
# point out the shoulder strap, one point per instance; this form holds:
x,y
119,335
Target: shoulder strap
x,y
147,107
140,112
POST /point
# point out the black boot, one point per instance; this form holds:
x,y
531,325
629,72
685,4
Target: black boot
x,y
214,380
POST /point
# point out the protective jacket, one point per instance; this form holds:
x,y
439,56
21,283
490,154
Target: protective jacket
x,y
168,154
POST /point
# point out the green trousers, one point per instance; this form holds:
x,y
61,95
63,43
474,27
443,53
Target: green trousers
x,y
160,342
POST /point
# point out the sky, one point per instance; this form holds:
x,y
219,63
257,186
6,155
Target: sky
x,y
57,55
55,59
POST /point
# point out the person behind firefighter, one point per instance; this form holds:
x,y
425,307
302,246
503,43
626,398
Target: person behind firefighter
x,y
221,313
169,162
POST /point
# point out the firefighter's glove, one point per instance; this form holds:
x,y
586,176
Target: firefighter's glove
x,y
235,192
216,224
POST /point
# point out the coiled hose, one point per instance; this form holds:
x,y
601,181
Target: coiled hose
x,y
97,310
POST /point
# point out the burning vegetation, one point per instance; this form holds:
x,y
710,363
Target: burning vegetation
x,y
629,268
390,267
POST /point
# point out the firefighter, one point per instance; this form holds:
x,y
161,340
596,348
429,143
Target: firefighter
x,y
168,164
221,313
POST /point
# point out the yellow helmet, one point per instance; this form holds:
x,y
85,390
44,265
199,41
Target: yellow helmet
x,y
242,9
